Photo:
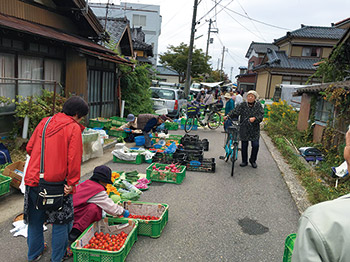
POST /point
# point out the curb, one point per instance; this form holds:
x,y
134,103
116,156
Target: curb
x,y
296,190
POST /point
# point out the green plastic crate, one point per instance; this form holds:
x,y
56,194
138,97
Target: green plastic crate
x,y
170,177
94,255
103,123
137,161
288,247
151,228
171,125
118,121
4,184
117,133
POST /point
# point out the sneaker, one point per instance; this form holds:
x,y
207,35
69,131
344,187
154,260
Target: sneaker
x,y
40,255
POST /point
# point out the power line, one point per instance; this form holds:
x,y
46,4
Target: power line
x,y
216,14
244,26
267,24
209,11
251,20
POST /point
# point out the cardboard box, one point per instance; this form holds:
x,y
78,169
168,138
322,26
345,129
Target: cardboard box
x,y
15,171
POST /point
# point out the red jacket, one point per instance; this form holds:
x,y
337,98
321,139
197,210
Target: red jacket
x,y
63,151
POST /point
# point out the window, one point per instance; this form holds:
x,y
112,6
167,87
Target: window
x,y
311,51
324,110
139,20
251,65
163,94
7,87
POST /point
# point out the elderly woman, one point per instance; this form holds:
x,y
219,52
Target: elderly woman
x,y
251,114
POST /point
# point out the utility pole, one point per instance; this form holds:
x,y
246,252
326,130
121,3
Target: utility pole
x,y
206,52
190,51
222,63
231,73
210,30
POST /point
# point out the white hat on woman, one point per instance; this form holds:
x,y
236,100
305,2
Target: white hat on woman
x,y
253,93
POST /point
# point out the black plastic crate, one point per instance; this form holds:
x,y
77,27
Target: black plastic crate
x,y
190,139
205,144
191,154
206,165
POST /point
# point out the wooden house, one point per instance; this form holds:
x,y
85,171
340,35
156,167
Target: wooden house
x,y
56,40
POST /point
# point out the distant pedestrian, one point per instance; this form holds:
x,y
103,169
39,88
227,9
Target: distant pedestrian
x,y
239,98
230,105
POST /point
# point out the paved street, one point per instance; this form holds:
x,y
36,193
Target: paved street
x,y
212,216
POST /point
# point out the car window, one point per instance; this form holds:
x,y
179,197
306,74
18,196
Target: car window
x,y
163,94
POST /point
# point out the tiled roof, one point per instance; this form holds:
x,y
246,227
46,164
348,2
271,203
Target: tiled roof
x,y
322,87
115,27
260,48
162,70
142,46
314,32
279,59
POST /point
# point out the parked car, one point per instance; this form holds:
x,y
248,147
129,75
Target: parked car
x,y
171,99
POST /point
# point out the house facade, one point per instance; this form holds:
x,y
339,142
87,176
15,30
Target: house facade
x,y
294,61
50,41
246,80
325,112
140,15
166,74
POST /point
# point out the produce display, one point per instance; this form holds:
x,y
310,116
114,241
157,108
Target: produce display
x,y
142,217
107,242
142,183
169,172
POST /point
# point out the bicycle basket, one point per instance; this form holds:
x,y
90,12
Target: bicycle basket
x,y
233,129
192,110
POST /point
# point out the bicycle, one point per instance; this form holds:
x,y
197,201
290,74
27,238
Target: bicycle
x,y
210,117
231,144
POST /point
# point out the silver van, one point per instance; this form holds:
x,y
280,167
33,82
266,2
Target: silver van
x,y
171,99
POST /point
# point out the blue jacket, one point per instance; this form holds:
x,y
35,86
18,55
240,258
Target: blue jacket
x,y
230,104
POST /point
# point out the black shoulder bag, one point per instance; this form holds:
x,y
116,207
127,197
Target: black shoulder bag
x,y
51,194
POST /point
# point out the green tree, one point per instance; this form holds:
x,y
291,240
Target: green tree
x,y
135,89
176,58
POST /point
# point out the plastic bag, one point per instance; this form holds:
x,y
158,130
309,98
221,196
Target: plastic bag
x,y
171,149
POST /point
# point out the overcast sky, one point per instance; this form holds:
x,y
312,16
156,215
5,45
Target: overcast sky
x,y
239,22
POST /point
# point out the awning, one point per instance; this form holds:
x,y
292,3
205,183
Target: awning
x,y
111,58
211,84
12,23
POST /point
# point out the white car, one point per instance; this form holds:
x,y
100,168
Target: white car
x,y
169,98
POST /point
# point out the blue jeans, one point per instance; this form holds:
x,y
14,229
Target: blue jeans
x,y
35,238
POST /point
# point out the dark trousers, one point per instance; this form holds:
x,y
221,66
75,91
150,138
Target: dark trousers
x,y
254,153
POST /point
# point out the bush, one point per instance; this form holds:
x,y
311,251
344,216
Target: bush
x,y
135,90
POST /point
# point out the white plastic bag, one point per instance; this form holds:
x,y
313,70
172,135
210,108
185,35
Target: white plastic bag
x,y
22,186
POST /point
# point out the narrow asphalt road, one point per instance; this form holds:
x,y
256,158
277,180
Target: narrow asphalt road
x,y
212,216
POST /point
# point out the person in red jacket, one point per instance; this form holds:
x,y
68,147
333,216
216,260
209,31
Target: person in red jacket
x,y
62,161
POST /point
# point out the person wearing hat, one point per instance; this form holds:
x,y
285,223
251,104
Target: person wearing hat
x,y
90,199
230,105
200,96
145,122
251,114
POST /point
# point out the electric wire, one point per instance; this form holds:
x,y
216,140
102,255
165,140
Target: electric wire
x,y
255,20
251,21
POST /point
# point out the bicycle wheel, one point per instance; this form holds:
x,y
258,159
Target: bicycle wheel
x,y
189,124
214,120
234,158
228,147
